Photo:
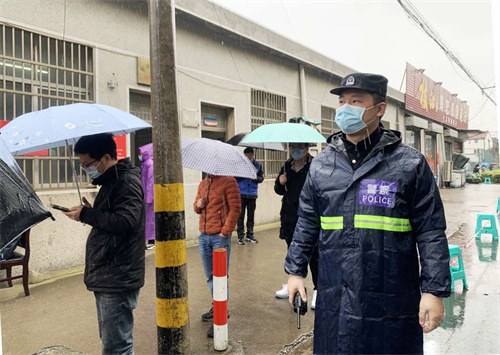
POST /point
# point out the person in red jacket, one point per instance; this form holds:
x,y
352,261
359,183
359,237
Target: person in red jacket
x,y
218,203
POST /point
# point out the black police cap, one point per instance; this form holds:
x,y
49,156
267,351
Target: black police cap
x,y
372,83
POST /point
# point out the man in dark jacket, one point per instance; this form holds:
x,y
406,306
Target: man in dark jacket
x,y
289,184
370,201
114,259
249,190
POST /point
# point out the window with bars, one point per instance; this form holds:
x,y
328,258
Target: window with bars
x,y
268,108
328,125
38,72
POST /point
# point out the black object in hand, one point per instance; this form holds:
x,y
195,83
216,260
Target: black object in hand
x,y
299,307
60,208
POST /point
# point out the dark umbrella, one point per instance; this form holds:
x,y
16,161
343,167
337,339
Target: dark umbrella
x,y
236,140
21,208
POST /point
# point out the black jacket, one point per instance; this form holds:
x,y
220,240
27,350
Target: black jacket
x,y
291,194
115,258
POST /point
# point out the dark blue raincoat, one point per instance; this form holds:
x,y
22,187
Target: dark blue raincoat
x,y
368,224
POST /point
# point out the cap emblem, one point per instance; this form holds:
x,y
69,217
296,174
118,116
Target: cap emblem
x,y
350,81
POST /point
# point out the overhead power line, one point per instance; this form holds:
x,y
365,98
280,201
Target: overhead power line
x,y
416,17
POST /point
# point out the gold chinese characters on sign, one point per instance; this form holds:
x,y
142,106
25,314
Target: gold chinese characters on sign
x,y
427,102
143,71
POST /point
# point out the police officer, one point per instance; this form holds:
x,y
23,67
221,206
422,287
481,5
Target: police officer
x,y
369,202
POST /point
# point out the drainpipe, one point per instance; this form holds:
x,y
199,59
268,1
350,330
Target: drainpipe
x,y
303,96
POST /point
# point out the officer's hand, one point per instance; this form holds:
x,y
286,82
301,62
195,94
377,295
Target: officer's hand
x,y
283,179
296,283
431,312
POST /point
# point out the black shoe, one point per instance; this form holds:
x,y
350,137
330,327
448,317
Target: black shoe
x,y
210,332
241,241
208,317
252,239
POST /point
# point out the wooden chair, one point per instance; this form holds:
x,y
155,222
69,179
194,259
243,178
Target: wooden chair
x,y
17,259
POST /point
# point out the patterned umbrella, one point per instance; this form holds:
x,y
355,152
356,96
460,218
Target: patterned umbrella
x,y
216,158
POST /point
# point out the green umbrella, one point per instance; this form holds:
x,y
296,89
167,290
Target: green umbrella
x,y
284,133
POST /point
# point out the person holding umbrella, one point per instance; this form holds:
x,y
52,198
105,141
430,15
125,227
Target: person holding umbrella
x,y
114,256
147,176
289,184
248,191
218,200
218,203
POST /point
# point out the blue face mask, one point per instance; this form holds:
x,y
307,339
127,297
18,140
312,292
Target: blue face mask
x,y
140,157
297,154
349,118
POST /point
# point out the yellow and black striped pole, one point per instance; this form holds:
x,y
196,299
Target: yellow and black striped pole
x,y
172,307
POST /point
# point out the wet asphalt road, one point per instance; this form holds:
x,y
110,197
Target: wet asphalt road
x,y
63,312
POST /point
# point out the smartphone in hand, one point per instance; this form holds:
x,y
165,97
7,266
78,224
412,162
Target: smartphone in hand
x,y
60,208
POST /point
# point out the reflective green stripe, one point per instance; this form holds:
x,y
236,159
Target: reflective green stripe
x,y
331,223
382,223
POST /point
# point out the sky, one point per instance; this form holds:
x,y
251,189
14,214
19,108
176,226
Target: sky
x,y
377,36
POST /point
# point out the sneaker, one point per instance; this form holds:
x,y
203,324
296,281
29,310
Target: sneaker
x,y
252,239
210,332
241,241
209,316
150,247
283,293
313,301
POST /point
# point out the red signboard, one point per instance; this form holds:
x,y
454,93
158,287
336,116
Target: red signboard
x,y
428,99
41,153
121,146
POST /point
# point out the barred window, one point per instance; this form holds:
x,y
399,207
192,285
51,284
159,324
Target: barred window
x,y
328,125
268,108
38,72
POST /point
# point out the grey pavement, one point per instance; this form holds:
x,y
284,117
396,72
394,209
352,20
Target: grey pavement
x,y
62,312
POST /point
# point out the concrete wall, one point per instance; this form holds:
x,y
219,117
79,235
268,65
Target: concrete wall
x,y
214,67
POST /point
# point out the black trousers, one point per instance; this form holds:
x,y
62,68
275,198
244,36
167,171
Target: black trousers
x,y
313,263
248,204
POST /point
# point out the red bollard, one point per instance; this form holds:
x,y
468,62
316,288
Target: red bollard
x,y
220,299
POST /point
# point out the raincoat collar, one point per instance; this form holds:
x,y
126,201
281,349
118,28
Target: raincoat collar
x,y
366,144
388,138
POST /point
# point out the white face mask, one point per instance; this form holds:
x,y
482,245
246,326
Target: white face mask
x,y
92,171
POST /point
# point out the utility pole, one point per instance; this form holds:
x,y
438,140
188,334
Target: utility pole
x,y
172,307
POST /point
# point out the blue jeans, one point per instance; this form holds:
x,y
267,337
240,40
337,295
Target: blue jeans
x,y
207,245
116,321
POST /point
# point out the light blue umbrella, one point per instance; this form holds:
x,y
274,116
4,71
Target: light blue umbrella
x,y
63,125
284,133
60,126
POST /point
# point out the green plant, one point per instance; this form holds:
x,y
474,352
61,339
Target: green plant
x,y
494,175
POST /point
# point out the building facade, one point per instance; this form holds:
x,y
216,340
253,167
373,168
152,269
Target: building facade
x,y
233,76
479,147
435,121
